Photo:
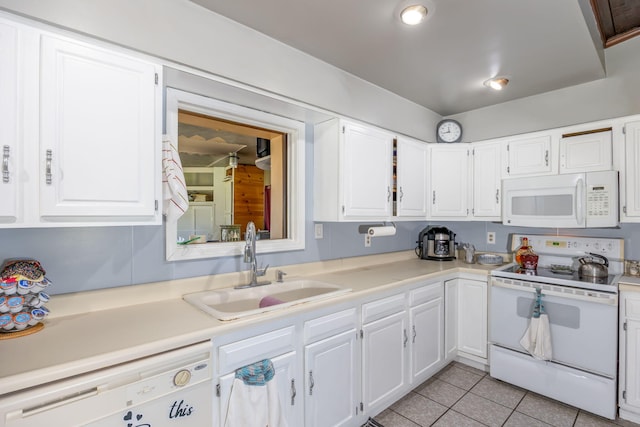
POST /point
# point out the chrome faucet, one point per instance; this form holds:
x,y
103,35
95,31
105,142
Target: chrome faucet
x,y
250,257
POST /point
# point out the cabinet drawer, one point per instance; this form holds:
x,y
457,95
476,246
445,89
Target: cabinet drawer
x,y
632,306
240,353
381,308
332,324
426,293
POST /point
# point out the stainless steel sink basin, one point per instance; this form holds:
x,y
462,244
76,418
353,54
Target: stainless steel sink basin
x,y
231,304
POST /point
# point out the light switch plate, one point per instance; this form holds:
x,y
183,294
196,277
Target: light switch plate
x,y
319,230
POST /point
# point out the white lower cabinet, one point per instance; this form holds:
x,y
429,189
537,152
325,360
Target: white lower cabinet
x,y
471,309
331,390
450,320
426,322
629,364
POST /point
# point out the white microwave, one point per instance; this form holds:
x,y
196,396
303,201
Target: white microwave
x,y
581,200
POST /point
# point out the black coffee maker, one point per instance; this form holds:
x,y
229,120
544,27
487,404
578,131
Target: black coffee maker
x,y
436,243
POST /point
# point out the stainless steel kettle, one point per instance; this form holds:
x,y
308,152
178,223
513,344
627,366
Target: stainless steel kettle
x,y
590,267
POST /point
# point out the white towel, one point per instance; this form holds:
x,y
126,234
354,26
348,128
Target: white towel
x,y
537,338
174,190
254,405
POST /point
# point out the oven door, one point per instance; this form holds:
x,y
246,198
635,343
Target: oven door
x,y
583,323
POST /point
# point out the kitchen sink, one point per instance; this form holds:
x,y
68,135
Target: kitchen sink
x,y
230,304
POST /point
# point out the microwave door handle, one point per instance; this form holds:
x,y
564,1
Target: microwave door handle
x,y
580,199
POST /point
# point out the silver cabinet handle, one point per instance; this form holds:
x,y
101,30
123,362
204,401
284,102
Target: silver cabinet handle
x,y
48,167
388,193
498,196
546,157
293,392
406,338
414,334
401,194
434,197
5,164
311,383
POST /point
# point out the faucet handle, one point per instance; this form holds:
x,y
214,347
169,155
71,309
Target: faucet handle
x,y
262,271
280,276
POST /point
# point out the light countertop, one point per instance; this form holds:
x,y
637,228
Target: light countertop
x,y
93,330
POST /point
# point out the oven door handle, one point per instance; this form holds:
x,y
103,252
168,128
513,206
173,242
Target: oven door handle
x,y
561,292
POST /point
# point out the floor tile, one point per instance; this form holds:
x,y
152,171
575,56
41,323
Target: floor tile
x,y
518,419
459,377
499,392
456,419
388,418
419,409
550,411
441,392
586,419
469,368
483,410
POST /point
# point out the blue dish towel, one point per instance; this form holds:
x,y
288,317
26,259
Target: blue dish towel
x,y
258,373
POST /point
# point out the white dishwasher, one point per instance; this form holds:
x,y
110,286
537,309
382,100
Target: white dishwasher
x,y
173,388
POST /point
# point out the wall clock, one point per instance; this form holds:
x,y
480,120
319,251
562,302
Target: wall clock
x,y
448,130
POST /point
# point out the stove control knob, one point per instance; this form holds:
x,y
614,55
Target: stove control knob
x,y
596,245
182,378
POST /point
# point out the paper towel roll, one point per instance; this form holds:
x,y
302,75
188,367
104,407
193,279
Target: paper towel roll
x,y
388,230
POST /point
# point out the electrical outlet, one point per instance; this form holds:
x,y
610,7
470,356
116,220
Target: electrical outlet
x,y
367,240
491,237
319,231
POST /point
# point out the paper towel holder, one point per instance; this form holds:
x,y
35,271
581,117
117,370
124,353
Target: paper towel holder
x,y
364,228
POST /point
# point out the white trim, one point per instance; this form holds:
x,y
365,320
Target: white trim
x,y
295,174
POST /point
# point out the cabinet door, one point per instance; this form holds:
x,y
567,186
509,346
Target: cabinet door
x,y
586,153
449,179
100,147
486,180
288,390
412,177
384,361
367,171
631,210
530,156
472,317
451,319
632,363
9,148
426,322
330,374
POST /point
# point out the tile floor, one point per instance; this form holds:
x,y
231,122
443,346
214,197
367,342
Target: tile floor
x,y
462,396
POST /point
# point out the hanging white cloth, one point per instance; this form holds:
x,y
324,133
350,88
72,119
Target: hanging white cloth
x,y
254,400
537,338
174,189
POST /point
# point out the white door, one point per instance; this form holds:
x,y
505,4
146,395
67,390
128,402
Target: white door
x,y
412,177
631,210
451,319
472,317
449,179
426,332
586,153
9,103
289,389
632,363
367,172
99,143
487,180
384,363
330,393
530,156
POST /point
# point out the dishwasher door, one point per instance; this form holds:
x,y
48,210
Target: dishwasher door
x,y
168,389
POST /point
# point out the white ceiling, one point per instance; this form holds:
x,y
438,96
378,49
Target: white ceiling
x,y
540,45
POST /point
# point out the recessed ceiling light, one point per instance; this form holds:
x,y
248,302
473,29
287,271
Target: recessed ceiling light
x,y
497,83
413,15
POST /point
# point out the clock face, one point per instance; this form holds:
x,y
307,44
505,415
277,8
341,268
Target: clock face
x,y
449,131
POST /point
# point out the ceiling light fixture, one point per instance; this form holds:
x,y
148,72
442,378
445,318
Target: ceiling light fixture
x,y
413,15
497,83
233,160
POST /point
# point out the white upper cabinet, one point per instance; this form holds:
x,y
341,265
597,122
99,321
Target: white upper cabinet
x,y
586,151
449,180
352,172
530,155
487,180
411,178
81,132
9,147
98,132
631,209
